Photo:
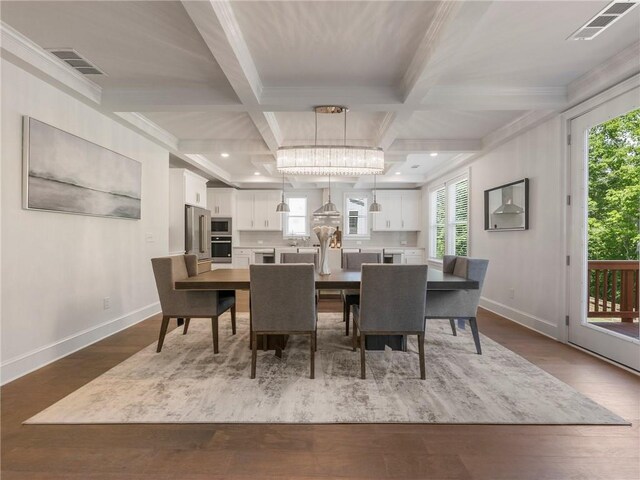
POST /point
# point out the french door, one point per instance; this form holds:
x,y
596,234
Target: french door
x,y
603,292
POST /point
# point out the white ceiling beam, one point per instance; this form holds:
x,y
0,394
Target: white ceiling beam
x,y
219,29
495,98
418,79
406,146
210,147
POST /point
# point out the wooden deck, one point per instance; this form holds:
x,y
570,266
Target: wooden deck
x,y
630,329
199,452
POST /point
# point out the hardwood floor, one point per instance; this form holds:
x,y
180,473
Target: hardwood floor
x,y
198,452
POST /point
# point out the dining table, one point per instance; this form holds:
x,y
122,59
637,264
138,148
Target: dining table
x,y
240,279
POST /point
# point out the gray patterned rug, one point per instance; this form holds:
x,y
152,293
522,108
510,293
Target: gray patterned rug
x,y
186,383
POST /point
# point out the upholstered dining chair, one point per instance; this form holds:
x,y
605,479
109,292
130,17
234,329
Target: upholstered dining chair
x,y
392,302
353,261
299,258
459,304
189,304
283,303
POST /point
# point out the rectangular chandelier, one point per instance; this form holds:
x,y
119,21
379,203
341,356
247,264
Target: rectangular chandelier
x,y
330,160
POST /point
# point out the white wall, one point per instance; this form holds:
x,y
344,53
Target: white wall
x,y
57,268
530,262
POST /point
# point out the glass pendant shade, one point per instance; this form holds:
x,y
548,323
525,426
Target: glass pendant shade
x,y
375,207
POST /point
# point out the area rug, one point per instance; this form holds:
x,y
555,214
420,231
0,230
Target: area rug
x,y
187,383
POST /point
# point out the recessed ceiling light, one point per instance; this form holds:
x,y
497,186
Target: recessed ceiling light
x,y
224,154
398,173
434,154
256,173
415,166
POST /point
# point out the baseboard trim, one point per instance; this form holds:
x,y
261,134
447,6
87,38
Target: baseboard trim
x,y
536,324
22,365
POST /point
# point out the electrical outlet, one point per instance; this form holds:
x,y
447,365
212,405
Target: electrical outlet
x,y
403,242
358,242
106,303
259,242
512,293
149,237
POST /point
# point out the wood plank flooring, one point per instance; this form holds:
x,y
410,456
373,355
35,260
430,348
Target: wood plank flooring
x,y
198,452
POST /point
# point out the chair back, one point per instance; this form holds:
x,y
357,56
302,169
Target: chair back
x,y
283,298
458,303
299,258
392,298
354,260
167,270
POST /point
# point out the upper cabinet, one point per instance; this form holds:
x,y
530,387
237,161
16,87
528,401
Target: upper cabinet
x,y
256,210
221,201
400,211
188,188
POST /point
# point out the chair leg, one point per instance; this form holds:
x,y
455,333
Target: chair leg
x,y
354,339
254,354
423,374
214,331
186,325
264,343
363,369
452,322
163,332
348,315
315,336
344,310
233,319
312,351
476,335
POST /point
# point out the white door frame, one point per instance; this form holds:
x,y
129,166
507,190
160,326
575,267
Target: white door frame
x,y
617,101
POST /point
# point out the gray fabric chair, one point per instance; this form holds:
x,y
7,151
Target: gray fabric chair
x,y
459,304
354,261
392,302
282,303
189,304
299,258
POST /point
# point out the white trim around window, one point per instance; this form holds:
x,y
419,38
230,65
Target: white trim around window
x,y
296,223
356,216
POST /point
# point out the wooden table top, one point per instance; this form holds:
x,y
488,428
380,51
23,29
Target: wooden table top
x,y
238,279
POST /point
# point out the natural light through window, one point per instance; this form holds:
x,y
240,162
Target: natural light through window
x,y
356,213
297,224
449,219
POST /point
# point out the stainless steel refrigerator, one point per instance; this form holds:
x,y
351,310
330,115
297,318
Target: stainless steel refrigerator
x,y
198,232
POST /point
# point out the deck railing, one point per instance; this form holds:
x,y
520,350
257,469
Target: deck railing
x,y
613,289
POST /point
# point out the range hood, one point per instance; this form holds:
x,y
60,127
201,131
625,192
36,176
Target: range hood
x,y
508,208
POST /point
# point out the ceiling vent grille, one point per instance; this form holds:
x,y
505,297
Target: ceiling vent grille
x,y
603,20
75,61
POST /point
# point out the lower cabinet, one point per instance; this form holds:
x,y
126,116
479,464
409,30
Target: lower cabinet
x,y
241,258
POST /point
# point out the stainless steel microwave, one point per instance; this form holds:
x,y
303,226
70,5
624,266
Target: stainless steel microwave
x,y
220,226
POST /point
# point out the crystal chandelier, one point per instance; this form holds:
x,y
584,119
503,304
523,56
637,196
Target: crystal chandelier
x,y
330,159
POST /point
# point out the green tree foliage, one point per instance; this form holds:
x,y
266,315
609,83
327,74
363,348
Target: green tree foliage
x,y
614,188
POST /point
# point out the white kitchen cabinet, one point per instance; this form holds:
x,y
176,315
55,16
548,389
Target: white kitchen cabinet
x,y
195,189
413,256
221,201
256,210
400,211
242,258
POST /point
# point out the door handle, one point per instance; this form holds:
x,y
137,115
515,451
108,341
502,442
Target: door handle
x,y
202,233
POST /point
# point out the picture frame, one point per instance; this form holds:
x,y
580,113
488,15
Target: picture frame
x,y
65,173
506,207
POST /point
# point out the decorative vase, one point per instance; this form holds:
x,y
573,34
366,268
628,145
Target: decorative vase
x,y
324,234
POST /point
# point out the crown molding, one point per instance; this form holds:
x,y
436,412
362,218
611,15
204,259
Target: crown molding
x,y
17,46
142,123
621,66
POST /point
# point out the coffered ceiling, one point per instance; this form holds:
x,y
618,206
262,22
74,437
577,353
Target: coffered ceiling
x,y
241,77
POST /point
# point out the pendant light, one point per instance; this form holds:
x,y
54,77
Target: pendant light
x,y
329,209
375,206
283,207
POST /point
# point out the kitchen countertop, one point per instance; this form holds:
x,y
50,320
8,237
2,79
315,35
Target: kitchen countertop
x,y
365,247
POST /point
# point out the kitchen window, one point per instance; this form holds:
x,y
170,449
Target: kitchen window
x,y
356,216
449,219
296,222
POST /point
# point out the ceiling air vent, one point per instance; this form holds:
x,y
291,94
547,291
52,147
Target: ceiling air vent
x,y
603,20
76,61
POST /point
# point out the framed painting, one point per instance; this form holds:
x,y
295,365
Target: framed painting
x,y
67,174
